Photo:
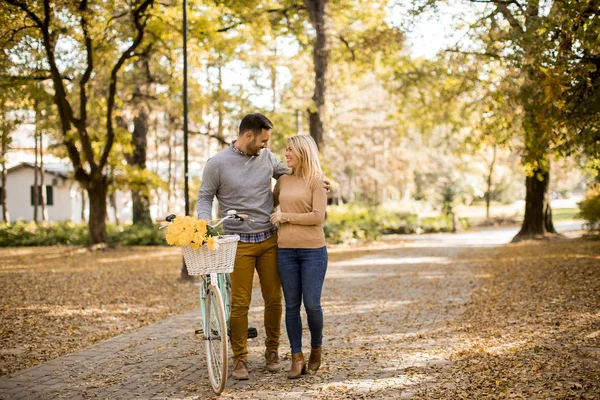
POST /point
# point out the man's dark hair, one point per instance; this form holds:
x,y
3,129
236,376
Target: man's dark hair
x,y
256,123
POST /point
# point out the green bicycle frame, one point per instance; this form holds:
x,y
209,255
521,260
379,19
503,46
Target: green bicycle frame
x,y
224,285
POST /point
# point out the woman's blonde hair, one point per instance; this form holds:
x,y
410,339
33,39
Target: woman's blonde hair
x,y
309,167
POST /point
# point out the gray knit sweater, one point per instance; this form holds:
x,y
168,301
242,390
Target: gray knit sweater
x,y
241,183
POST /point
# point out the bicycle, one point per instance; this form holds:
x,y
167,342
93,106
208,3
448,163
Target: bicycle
x,y
214,266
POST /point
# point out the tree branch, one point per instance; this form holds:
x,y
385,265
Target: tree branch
x,y
16,78
343,40
14,32
474,53
503,8
60,96
140,27
220,139
81,123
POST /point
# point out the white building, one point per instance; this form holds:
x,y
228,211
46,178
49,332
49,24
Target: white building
x,y
64,197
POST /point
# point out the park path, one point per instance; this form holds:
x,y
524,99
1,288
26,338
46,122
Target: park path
x,y
382,311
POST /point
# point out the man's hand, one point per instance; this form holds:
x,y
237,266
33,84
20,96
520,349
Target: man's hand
x,y
276,217
327,184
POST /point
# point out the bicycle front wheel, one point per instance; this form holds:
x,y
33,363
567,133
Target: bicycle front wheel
x,y
216,339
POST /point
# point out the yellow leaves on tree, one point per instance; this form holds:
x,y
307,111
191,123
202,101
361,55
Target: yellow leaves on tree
x,y
188,231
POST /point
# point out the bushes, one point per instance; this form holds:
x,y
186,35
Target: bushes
x,y
590,208
23,233
353,222
347,223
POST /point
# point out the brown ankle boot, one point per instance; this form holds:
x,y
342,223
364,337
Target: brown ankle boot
x,y
272,360
298,367
314,362
240,370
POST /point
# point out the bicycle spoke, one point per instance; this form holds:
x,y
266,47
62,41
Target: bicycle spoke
x,y
216,339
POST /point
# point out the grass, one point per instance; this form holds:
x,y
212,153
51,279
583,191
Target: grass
x,y
565,214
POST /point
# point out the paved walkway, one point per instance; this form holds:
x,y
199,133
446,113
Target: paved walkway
x,y
381,312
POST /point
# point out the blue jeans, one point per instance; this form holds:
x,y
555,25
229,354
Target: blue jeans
x,y
302,272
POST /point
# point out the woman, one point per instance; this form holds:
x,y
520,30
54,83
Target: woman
x,y
302,255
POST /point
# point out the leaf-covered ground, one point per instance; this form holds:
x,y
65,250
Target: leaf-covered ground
x,y
412,320
59,299
532,330
56,300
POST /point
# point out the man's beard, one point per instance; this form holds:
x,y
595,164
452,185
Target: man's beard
x,y
253,150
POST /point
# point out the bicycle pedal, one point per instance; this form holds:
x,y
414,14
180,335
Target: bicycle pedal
x,y
252,333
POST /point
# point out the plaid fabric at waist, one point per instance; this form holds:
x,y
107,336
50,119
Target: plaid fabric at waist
x,y
257,237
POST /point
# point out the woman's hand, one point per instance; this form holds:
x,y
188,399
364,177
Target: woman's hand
x,y
276,217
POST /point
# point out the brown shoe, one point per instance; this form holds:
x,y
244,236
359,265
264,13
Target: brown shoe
x,y
240,370
272,360
298,367
314,361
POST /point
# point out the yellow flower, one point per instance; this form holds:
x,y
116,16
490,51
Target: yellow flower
x,y
212,243
189,223
201,226
198,238
175,229
189,231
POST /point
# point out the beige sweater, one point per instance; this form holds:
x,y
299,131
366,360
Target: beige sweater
x,y
302,213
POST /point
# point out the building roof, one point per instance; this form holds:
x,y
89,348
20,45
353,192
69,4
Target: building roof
x,y
64,171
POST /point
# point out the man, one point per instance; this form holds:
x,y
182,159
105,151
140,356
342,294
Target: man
x,y
240,177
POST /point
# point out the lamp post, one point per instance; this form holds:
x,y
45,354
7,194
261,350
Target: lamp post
x,y
185,112
184,273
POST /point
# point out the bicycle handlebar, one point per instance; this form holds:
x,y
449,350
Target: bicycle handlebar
x,y
231,214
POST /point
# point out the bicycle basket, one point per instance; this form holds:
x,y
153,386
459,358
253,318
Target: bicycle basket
x,y
205,261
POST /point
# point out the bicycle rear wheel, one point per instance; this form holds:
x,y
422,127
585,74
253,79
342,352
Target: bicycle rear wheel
x,y
216,339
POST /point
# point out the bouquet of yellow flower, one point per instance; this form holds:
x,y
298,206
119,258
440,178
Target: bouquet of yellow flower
x,y
189,231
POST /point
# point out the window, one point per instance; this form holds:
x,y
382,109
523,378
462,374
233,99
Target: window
x,y
49,196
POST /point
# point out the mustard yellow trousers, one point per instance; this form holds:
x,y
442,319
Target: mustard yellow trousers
x,y
261,257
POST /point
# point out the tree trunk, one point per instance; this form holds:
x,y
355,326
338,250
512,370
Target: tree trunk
x,y
83,205
4,146
113,204
170,144
140,199
3,192
321,51
97,190
36,185
42,182
537,221
488,192
298,122
141,208
273,68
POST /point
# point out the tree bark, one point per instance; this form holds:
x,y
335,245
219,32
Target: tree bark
x,y
43,183
36,186
321,52
113,204
83,205
140,199
97,190
537,221
4,149
488,192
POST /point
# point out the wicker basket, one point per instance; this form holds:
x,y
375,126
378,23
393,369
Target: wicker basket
x,y
205,261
